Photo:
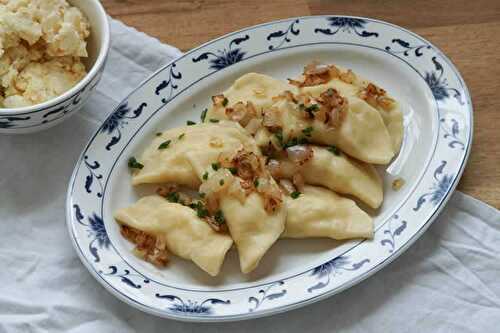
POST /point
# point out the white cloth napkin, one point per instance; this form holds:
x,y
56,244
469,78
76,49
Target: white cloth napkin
x,y
448,281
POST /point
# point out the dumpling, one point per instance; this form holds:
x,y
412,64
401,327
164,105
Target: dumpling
x,y
253,229
186,235
250,202
188,151
258,89
319,212
331,169
349,84
358,130
355,126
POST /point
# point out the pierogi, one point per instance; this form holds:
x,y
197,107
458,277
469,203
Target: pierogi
x,y
271,160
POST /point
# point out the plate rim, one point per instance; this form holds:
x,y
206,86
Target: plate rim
x,y
287,307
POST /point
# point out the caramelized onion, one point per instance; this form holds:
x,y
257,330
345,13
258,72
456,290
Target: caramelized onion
x,y
271,119
253,126
300,154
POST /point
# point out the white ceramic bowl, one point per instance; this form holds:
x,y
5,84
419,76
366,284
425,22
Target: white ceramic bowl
x,y
42,116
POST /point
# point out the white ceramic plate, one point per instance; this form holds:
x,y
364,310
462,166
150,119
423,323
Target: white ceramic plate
x,y
438,133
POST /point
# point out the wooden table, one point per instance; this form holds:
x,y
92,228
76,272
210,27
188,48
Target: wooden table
x,y
467,31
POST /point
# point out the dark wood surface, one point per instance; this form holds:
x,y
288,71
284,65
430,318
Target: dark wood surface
x,y
467,31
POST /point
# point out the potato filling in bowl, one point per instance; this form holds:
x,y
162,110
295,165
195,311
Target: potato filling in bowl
x,y
41,46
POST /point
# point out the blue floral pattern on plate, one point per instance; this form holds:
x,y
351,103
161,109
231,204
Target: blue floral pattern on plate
x,y
226,57
347,24
118,120
407,47
201,308
266,294
333,267
126,277
439,85
441,186
392,233
284,36
95,231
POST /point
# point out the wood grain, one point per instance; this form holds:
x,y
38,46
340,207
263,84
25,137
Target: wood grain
x,y
467,31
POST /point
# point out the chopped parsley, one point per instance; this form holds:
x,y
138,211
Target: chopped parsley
x,y
233,170
334,150
312,108
133,164
256,182
202,194
214,120
173,197
203,115
219,217
221,182
307,131
205,175
164,145
181,136
190,122
216,166
159,134
201,211
295,194
225,102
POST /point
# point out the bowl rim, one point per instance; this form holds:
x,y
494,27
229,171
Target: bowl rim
x,y
101,58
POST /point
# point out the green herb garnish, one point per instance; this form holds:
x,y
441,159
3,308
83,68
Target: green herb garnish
x,y
334,150
221,182
201,211
295,194
225,101
164,145
307,131
219,217
133,164
159,134
233,170
202,194
216,166
256,182
214,120
205,175
173,197
203,115
181,136
190,123
312,108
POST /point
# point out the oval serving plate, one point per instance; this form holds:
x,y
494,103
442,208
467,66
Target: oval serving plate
x,y
438,133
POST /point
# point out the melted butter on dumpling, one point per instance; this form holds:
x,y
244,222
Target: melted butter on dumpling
x,y
319,212
186,235
190,151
